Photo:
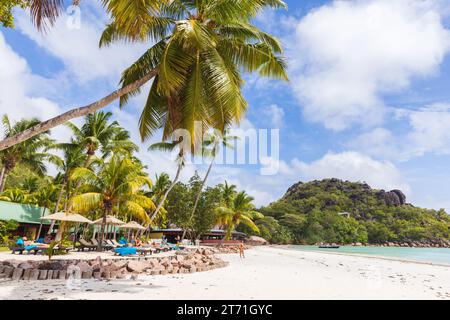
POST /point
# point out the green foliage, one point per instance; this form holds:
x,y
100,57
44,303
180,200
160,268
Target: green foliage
x,y
6,7
180,202
5,228
310,212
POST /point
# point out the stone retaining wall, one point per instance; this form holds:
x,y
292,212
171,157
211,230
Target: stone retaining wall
x,y
182,262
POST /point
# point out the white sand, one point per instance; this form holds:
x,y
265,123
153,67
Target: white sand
x,y
266,273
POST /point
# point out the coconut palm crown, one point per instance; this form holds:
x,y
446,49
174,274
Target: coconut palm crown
x,y
241,210
200,50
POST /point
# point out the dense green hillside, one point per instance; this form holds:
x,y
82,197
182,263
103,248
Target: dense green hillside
x,y
317,212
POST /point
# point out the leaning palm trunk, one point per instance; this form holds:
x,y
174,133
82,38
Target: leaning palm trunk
x,y
80,182
58,202
75,113
40,225
102,231
2,178
197,199
161,203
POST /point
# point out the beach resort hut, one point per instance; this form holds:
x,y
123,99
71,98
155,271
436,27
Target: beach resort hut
x,y
27,215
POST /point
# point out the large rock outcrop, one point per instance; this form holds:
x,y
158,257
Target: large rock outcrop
x,y
393,197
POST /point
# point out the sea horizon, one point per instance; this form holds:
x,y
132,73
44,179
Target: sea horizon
x,y
439,256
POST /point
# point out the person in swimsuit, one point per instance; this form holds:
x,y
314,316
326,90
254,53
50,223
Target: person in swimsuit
x,y
241,251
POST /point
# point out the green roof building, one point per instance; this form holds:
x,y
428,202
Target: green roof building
x,y
27,215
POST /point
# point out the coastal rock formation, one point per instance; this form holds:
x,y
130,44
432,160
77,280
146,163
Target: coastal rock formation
x,y
392,198
187,261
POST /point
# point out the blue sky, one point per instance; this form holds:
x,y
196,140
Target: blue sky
x,y
368,97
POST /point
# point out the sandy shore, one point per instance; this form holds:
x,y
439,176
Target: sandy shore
x,y
266,273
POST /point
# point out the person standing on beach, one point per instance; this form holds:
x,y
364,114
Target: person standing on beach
x,y
241,251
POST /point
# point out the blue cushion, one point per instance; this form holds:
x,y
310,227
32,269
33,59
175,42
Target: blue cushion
x,y
125,251
31,247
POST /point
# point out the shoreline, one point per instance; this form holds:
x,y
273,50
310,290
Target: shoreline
x,y
269,273
374,256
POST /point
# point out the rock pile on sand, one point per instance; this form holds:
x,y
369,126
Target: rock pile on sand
x,y
188,261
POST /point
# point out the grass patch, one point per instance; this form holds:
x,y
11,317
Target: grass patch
x,y
4,249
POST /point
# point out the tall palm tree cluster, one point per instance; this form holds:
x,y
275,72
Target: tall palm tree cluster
x,y
98,175
198,51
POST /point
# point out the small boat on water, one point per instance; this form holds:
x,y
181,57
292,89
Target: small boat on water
x,y
329,246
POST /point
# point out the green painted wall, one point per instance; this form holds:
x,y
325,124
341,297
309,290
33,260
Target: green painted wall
x,y
25,213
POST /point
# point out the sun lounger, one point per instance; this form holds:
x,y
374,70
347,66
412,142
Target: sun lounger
x,y
18,249
117,244
109,242
143,251
85,245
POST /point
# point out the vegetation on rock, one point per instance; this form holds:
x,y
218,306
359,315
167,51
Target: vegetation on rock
x,y
316,212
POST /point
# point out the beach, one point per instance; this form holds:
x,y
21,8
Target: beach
x,y
266,273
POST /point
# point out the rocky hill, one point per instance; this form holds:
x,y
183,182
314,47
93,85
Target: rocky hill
x,y
333,210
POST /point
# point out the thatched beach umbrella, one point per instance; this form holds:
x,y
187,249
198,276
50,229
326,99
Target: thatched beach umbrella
x,y
68,217
132,225
110,220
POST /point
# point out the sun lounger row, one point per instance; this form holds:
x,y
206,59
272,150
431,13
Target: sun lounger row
x,y
35,249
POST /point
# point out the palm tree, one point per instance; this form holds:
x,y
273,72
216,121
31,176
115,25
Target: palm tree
x,y
45,12
162,183
241,210
31,153
120,143
201,49
180,160
73,157
97,132
116,183
210,149
15,195
228,193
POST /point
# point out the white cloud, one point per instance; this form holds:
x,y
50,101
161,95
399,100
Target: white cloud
x,y
77,48
17,97
353,166
345,56
274,115
430,129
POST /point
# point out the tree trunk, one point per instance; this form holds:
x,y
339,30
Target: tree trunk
x,y
2,176
40,225
58,202
75,113
78,185
161,203
197,199
102,231
60,232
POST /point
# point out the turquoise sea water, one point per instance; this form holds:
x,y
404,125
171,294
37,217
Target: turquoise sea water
x,y
433,255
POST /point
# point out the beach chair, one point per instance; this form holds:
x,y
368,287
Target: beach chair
x,y
109,242
59,247
113,241
19,249
85,245
143,251
107,246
